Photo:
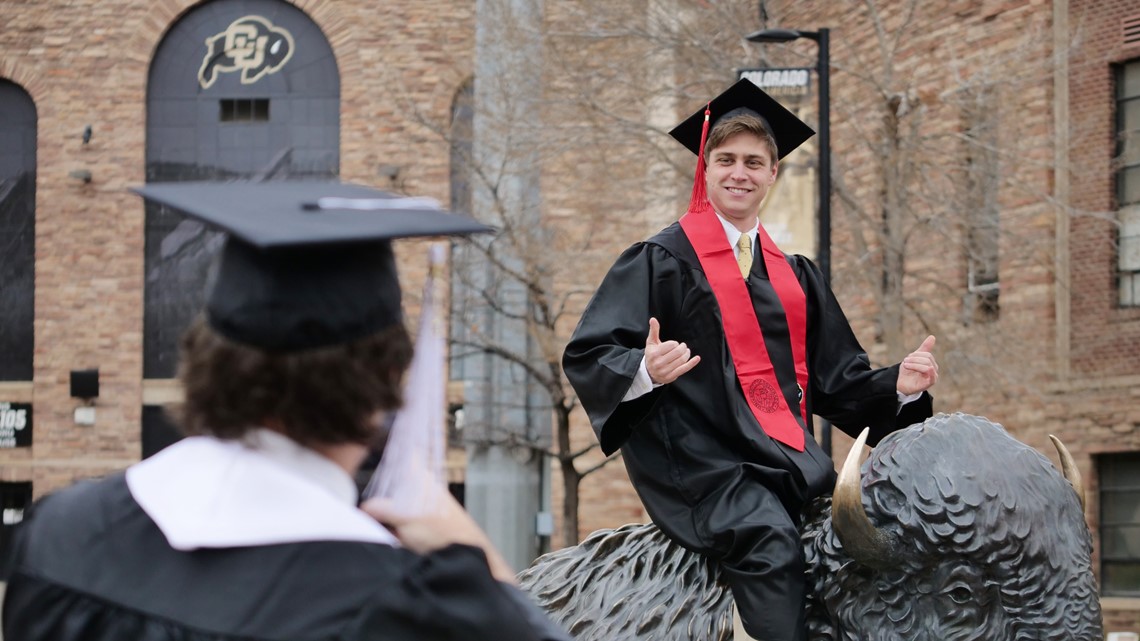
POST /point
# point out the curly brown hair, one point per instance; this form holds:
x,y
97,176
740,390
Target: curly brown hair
x,y
325,395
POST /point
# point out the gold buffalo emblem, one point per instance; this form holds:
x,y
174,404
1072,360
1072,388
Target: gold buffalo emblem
x,y
251,45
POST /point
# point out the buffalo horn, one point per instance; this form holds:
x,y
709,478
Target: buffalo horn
x,y
1069,468
864,542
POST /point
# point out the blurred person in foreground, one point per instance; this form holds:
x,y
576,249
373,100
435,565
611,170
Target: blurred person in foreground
x,y
706,350
249,528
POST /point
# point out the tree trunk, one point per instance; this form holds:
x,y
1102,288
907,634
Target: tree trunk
x,y
570,481
891,314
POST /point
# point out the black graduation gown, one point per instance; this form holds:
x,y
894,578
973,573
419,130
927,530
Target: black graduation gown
x,y
90,565
707,474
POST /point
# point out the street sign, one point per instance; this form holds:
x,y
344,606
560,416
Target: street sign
x,y
783,81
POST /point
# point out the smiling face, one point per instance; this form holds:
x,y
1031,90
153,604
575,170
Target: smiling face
x,y
739,173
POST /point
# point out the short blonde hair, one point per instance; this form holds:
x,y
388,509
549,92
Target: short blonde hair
x,y
741,123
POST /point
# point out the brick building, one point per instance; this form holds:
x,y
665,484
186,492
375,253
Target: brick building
x,y
1003,132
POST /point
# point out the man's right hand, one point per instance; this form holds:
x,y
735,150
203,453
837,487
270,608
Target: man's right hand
x,y
667,361
441,524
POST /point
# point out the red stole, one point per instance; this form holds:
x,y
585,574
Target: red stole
x,y
742,330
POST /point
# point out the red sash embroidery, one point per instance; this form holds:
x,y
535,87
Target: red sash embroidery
x,y
742,330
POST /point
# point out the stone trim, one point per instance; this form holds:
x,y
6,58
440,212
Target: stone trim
x,y
30,82
16,392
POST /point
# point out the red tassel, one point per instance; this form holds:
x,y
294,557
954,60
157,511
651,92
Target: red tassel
x,y
699,200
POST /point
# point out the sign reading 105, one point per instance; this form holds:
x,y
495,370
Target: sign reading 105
x,y
12,418
15,425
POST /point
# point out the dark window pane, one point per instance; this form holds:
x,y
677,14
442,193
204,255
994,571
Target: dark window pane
x,y
14,500
1120,542
1129,135
1120,579
1129,289
158,430
17,231
1120,471
1128,187
1129,250
1129,80
987,305
243,110
1121,507
983,223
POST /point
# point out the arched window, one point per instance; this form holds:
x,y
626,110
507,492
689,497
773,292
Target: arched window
x,y
237,89
17,231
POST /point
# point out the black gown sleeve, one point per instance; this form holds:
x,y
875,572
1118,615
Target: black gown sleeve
x,y
607,347
845,389
449,595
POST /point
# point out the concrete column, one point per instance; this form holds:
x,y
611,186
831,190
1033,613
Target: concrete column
x,y
503,416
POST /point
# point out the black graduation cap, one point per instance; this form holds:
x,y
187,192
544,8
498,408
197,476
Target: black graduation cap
x,y
790,131
305,264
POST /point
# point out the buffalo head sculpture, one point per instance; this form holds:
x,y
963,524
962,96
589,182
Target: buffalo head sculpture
x,y
954,531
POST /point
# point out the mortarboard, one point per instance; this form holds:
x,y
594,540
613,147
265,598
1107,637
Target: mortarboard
x,y
790,132
305,264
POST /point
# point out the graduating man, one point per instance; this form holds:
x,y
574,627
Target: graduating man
x,y
249,529
703,365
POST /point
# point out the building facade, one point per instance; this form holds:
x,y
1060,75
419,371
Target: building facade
x,y
986,186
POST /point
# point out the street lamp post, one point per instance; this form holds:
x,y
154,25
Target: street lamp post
x,y
823,64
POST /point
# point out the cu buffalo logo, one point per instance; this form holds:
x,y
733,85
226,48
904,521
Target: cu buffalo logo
x,y
251,45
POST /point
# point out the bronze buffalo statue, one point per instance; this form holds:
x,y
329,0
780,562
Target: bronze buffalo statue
x,y
956,532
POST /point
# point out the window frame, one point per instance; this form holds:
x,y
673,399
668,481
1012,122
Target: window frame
x,y
1127,278
1107,528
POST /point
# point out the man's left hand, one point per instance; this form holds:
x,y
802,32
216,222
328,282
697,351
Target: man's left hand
x,y
918,371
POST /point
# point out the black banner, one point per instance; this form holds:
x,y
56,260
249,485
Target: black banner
x,y
15,425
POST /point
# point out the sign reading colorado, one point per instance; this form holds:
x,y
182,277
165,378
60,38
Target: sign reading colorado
x,y
15,425
780,82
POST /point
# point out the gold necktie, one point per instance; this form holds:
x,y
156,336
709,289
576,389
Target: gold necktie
x,y
744,256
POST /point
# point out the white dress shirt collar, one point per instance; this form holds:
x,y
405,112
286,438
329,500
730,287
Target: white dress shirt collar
x,y
205,492
733,234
